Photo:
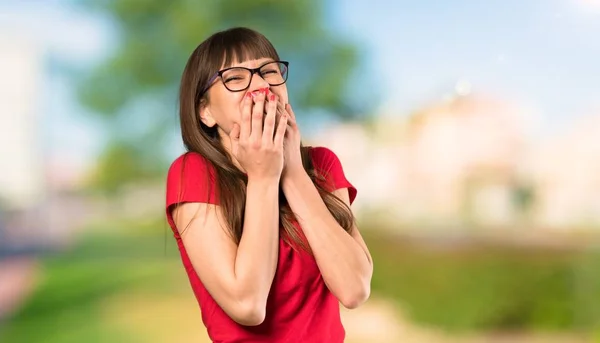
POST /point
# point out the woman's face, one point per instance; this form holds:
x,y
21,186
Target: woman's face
x,y
224,107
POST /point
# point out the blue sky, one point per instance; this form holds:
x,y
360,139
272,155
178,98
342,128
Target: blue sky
x,y
542,54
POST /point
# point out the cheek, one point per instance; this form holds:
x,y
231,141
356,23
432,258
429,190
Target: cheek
x,y
238,109
227,108
281,93
230,107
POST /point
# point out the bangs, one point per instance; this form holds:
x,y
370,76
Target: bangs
x,y
237,46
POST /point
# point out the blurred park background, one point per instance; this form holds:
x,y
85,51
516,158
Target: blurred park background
x,y
470,128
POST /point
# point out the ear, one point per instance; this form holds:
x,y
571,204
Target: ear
x,y
205,116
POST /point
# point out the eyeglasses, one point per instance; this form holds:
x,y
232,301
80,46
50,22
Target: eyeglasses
x,y
237,79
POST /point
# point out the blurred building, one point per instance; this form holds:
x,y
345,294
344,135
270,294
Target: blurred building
x,y
470,162
461,158
21,172
566,171
454,164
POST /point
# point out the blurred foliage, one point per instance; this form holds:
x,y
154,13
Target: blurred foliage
x,y
489,287
69,302
134,90
121,163
477,288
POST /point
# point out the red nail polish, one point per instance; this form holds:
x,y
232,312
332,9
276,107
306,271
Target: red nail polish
x,y
272,97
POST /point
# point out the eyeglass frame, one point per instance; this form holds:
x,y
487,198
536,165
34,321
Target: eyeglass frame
x,y
252,71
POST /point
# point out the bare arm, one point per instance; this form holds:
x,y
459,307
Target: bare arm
x,y
343,259
237,277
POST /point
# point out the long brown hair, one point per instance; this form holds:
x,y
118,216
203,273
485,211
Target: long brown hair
x,y
223,49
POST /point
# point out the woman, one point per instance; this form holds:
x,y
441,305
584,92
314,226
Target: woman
x,y
263,224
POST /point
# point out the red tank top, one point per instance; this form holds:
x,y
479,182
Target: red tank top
x,y
300,308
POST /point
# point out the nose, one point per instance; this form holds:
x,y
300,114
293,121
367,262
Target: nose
x,y
257,82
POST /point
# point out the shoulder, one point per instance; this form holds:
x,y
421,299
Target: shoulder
x,y
189,161
191,177
190,165
323,157
328,165
320,151
326,162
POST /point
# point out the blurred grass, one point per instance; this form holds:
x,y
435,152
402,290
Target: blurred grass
x,y
118,284
69,303
489,288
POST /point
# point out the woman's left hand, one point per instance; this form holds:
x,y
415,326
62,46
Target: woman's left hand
x,y
291,145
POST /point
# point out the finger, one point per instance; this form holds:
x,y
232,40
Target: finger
x,y
246,116
281,109
289,110
257,116
280,134
270,119
234,134
291,121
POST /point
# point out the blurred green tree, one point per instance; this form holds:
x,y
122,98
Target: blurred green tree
x,y
134,90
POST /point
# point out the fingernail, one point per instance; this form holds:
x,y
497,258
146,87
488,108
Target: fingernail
x,y
248,95
272,97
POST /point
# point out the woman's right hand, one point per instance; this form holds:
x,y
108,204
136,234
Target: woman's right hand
x,y
258,148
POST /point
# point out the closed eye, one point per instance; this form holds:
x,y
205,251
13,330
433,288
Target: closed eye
x,y
235,78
